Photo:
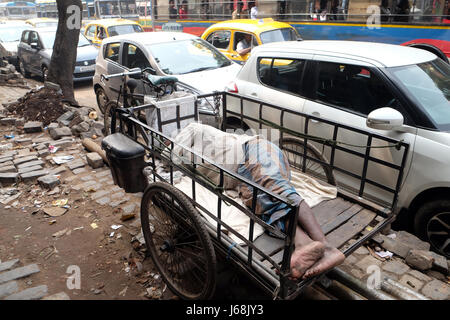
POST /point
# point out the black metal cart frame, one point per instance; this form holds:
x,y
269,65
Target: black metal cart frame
x,y
275,279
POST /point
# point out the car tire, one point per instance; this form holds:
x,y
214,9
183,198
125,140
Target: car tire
x,y
44,73
102,99
432,222
23,71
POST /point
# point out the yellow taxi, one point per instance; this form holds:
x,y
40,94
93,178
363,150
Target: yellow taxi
x,y
42,22
97,30
226,35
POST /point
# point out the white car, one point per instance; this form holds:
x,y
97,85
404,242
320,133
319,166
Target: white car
x,y
192,60
395,91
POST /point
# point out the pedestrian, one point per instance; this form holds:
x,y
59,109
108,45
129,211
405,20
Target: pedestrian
x,y
183,13
253,10
237,13
173,13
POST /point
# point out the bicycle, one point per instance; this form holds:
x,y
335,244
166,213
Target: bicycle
x,y
159,86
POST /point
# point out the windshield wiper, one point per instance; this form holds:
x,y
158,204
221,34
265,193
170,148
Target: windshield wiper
x,y
200,69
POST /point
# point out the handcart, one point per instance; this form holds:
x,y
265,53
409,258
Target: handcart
x,y
184,235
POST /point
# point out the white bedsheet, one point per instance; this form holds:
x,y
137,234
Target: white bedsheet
x,y
312,191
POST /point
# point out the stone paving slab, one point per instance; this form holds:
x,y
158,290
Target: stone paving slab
x,y
33,175
30,164
19,273
24,159
436,290
29,169
8,264
8,169
34,293
8,289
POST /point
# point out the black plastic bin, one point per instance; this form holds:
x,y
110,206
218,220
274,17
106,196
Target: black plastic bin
x,y
126,158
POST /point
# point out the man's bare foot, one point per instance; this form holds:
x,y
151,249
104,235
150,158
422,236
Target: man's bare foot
x,y
331,258
304,257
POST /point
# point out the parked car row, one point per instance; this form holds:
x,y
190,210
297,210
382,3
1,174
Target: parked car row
x,y
395,91
29,44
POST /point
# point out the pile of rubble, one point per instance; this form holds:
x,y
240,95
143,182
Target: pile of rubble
x,y
9,75
42,108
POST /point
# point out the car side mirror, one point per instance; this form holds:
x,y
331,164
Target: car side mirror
x,y
385,119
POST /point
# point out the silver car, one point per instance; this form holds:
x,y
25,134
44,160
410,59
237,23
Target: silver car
x,y
35,52
199,67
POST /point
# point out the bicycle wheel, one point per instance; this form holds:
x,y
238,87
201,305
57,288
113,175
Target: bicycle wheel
x,y
178,242
110,110
295,150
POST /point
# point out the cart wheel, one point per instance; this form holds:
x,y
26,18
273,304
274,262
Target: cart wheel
x,y
294,146
178,242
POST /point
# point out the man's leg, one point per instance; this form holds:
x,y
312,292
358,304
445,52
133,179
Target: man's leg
x,y
306,253
331,256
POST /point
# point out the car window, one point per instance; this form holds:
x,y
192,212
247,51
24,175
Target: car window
x,y
197,55
352,87
112,51
282,74
133,57
34,37
429,84
124,29
91,31
238,36
48,39
285,34
220,39
25,36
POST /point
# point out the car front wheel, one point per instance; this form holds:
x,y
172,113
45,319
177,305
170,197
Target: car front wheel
x,y
432,223
102,99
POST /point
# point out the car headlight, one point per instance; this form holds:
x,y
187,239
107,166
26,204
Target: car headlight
x,y
204,104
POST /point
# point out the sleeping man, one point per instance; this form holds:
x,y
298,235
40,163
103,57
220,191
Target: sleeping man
x,y
265,164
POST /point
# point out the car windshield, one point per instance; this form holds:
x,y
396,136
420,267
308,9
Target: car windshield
x,y
124,29
196,55
429,84
12,33
48,38
285,34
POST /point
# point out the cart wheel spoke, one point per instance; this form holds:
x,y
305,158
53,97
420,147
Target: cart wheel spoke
x,y
179,243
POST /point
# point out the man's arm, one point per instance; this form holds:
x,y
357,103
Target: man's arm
x,y
241,49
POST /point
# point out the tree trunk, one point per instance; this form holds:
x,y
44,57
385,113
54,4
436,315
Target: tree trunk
x,y
64,54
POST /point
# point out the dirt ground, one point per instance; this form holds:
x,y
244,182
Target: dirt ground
x,y
103,261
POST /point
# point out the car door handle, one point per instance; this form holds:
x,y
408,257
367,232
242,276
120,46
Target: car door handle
x,y
254,94
317,115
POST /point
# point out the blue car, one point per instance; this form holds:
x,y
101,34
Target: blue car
x,y
35,51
